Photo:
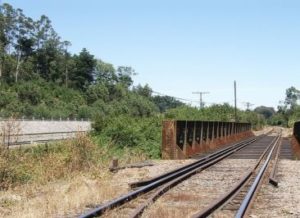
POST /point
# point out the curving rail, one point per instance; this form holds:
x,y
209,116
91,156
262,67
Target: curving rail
x,y
168,180
256,174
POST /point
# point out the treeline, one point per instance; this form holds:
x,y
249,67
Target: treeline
x,y
40,78
31,49
288,112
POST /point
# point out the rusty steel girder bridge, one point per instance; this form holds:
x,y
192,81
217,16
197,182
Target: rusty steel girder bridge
x,y
182,138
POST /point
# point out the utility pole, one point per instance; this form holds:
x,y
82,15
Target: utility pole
x,y
235,109
66,44
201,100
248,105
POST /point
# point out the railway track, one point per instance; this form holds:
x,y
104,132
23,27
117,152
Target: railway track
x,y
146,192
238,200
234,201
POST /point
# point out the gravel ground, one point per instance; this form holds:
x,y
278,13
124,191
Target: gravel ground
x,y
70,197
200,190
63,198
130,175
283,201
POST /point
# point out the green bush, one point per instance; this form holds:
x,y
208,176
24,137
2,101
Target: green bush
x,y
140,134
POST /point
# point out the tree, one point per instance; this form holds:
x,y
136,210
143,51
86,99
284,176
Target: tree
x,y
8,26
166,102
145,91
2,41
17,32
83,74
267,112
43,30
292,95
124,75
50,61
23,39
97,91
105,73
49,50
8,21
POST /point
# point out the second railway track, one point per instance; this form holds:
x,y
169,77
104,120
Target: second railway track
x,y
184,191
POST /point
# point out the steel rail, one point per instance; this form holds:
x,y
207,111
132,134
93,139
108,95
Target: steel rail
x,y
213,207
215,154
272,178
183,173
237,187
146,182
254,187
174,182
168,186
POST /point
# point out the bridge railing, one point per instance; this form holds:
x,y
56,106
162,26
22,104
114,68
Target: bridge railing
x,y
296,131
184,138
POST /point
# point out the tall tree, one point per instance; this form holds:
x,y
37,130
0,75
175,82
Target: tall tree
x,y
145,91
105,73
43,31
24,42
2,41
84,72
166,102
50,61
8,20
125,75
267,112
16,36
292,96
8,14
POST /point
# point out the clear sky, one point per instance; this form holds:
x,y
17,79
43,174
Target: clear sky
x,y
178,47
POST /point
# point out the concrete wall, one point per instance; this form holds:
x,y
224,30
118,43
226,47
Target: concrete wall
x,y
19,131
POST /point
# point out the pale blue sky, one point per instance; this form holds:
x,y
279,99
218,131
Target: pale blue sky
x,y
178,47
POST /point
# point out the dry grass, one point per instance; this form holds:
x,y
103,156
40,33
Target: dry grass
x,y
9,131
161,211
45,163
57,180
57,199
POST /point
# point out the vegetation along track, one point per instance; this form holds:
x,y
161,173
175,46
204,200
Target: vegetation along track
x,y
146,192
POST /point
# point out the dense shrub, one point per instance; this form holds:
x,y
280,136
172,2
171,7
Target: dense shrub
x,y
141,134
257,120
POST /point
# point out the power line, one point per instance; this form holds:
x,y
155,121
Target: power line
x,y
177,98
201,100
190,100
248,105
